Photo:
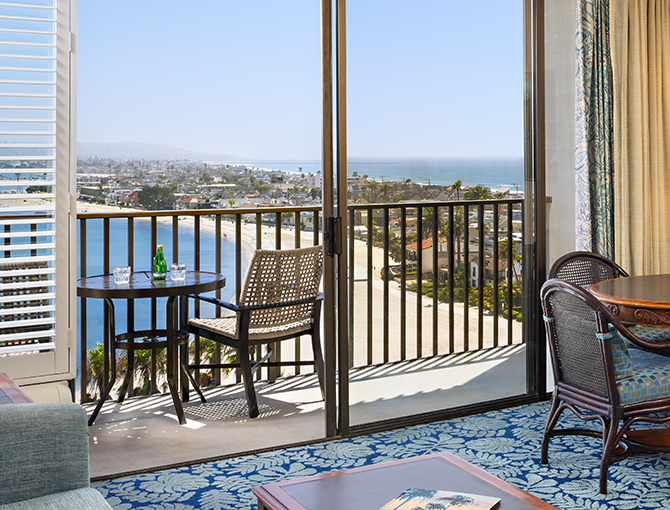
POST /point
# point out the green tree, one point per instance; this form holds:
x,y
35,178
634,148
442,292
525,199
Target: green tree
x,y
155,198
457,186
478,192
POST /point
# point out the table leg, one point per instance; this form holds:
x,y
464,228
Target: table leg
x,y
110,354
173,360
183,348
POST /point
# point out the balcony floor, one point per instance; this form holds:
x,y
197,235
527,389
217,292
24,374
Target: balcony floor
x,y
143,433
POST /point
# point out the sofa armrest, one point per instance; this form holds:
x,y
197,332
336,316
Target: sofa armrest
x,y
43,450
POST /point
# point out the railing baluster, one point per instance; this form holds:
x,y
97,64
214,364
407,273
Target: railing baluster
x,y
436,280
419,281
403,283
386,279
369,290
481,275
83,344
466,278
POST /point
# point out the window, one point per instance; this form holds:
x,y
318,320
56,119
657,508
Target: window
x,y
36,179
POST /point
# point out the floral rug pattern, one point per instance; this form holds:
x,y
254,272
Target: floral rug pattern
x,y
505,443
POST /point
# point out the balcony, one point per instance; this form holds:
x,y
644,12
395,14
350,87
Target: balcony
x,y
421,355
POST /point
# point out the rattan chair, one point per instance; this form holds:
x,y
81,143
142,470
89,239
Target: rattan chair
x,y
585,268
597,377
279,300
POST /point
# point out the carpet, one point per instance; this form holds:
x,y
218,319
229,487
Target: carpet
x,y
505,443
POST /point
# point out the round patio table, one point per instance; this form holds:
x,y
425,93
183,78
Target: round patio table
x,y
142,285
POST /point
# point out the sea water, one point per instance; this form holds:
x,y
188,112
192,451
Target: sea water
x,y
143,254
490,172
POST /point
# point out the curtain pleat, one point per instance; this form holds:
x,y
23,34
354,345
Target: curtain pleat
x,y
594,145
641,43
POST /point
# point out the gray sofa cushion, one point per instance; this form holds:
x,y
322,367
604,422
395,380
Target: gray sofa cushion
x,y
44,450
80,499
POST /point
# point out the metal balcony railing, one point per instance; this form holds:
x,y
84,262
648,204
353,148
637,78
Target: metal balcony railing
x,y
444,251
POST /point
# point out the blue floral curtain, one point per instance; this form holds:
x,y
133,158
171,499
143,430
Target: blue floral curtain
x,y
594,150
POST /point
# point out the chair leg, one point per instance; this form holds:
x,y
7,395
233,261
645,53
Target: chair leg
x,y
610,432
554,414
318,360
247,376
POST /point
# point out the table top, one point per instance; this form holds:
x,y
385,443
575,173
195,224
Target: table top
x,y
647,290
371,487
10,393
142,285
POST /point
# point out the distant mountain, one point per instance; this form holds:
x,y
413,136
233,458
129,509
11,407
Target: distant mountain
x,y
137,150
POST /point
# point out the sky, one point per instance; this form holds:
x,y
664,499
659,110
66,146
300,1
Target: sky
x,y
426,78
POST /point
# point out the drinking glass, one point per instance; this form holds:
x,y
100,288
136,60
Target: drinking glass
x,y
178,272
121,275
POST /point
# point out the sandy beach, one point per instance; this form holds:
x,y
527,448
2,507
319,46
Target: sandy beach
x,y
361,321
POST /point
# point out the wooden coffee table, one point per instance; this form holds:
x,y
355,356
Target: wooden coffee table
x,y
371,487
10,393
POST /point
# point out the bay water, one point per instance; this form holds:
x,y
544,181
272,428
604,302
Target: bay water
x,y
143,254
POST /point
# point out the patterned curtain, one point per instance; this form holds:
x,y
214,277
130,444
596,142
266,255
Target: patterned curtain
x,y
594,147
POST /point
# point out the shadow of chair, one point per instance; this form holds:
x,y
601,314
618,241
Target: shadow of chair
x,y
279,300
597,377
585,268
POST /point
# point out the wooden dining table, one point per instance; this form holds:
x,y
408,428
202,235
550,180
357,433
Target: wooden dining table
x,y
642,300
639,300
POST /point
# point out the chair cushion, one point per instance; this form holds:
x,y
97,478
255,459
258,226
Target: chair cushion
x,y
654,334
651,379
81,499
227,326
620,355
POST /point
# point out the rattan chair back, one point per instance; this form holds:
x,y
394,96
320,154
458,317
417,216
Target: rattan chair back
x,y
585,268
282,276
572,323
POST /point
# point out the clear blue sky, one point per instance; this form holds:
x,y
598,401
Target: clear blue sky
x,y
425,77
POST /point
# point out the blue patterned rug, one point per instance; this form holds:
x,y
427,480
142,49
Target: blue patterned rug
x,y
505,443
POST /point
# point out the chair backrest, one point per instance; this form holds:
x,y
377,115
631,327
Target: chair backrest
x,y
574,320
585,268
280,276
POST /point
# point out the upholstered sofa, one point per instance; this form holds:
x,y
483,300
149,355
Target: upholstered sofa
x,y
44,458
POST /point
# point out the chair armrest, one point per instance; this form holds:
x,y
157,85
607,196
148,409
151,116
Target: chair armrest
x,y
237,308
319,297
651,346
44,450
214,301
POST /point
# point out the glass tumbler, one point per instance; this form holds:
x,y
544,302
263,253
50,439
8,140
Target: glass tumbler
x,y
178,272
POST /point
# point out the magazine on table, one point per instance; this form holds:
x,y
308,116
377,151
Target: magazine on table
x,y
412,499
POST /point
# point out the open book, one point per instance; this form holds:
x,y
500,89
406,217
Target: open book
x,y
412,499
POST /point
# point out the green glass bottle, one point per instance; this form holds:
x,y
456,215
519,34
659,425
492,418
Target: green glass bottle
x,y
159,267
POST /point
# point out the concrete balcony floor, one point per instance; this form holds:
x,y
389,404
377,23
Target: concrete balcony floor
x,y
143,433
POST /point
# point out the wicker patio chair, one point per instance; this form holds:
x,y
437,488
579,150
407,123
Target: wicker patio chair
x,y
22,309
597,377
585,268
279,300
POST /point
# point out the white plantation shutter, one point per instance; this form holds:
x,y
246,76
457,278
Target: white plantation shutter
x,y
35,189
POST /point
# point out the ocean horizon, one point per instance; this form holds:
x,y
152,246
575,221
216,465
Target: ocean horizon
x,y
490,172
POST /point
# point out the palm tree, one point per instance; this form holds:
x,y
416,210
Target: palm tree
x,y
478,192
457,187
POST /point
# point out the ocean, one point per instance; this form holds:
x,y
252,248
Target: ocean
x,y
143,251
490,172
